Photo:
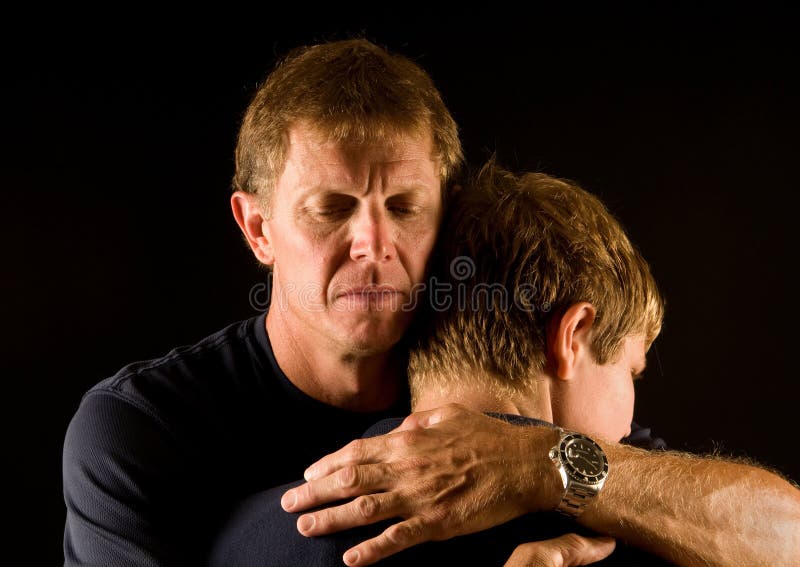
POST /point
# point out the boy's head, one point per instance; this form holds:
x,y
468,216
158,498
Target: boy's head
x,y
548,300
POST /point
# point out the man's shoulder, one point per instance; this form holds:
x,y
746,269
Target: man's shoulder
x,y
220,363
146,440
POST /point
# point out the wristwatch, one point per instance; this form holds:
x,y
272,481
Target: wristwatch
x,y
583,467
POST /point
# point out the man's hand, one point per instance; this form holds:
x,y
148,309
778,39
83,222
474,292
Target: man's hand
x,y
445,472
565,551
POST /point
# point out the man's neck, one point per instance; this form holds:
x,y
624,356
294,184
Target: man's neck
x,y
352,381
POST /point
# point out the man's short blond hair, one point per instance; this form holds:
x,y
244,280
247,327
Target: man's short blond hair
x,y
349,91
546,244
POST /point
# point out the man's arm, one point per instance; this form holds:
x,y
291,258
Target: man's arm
x,y
452,471
698,510
115,456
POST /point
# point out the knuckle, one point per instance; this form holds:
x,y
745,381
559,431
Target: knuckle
x,y
574,541
355,449
452,411
322,522
407,438
572,547
528,548
367,507
531,554
348,477
410,421
398,534
305,493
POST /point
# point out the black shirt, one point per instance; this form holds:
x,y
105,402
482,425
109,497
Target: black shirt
x,y
156,455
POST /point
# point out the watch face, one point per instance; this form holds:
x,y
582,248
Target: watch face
x,y
584,459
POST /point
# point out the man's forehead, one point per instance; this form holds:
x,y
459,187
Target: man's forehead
x,y
406,161
304,137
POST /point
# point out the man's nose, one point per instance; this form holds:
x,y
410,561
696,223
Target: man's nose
x,y
372,236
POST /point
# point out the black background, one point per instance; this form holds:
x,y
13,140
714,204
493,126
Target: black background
x,y
118,242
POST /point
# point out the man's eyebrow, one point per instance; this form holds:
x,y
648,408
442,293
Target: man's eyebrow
x,y
322,190
326,189
411,188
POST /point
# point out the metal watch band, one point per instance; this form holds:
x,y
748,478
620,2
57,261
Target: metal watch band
x,y
577,494
575,499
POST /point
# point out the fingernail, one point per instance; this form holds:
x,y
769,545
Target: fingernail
x,y
305,523
351,556
289,501
310,474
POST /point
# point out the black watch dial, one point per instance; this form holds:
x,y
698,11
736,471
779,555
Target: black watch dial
x,y
584,459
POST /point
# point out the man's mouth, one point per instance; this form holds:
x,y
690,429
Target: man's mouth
x,y
369,290
369,295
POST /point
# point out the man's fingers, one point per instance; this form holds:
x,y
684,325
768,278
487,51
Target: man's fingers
x,y
567,550
429,418
363,510
346,482
395,538
360,451
581,550
376,449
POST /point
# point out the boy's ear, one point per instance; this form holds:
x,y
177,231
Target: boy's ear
x,y
569,339
253,222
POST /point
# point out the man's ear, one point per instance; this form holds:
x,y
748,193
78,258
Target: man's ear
x,y
252,221
569,339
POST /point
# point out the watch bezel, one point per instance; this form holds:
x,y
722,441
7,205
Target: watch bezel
x,y
570,469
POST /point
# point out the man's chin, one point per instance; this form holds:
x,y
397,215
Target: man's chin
x,y
374,337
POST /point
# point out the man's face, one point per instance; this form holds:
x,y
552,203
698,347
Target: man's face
x,y
600,399
350,232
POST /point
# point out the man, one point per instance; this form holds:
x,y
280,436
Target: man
x,y
523,242
156,454
343,162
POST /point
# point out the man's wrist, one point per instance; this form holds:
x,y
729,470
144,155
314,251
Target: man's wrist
x,y
583,467
545,488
